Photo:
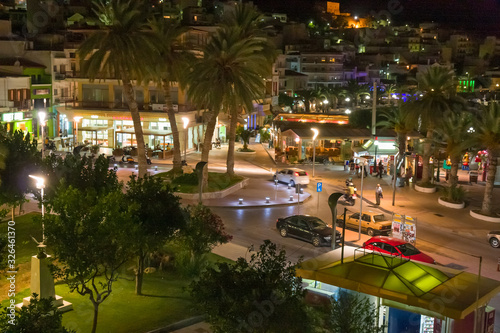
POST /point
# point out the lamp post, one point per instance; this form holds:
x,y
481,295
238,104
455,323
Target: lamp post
x,y
185,121
41,117
362,162
40,184
375,159
314,146
76,119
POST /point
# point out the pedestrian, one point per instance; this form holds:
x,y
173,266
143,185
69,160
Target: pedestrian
x,y
378,194
380,169
408,175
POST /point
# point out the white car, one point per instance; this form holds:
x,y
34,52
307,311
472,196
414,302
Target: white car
x,y
292,176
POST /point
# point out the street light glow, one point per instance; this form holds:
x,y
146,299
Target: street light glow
x,y
347,99
185,121
77,118
316,132
41,116
40,182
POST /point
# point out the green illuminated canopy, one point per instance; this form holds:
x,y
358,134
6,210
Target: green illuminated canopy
x,y
427,289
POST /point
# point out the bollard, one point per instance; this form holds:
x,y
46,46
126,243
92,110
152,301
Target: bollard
x,y
136,167
267,199
240,201
156,168
289,186
115,167
291,198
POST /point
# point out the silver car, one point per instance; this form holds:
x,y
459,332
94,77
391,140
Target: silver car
x,y
494,238
292,176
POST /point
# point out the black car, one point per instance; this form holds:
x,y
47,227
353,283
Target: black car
x,y
308,228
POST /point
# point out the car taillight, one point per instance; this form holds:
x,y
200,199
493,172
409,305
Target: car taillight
x,y
297,174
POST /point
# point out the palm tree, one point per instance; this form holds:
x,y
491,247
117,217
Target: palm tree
x,y
438,87
173,68
122,47
228,77
453,131
248,74
354,90
487,134
307,96
402,120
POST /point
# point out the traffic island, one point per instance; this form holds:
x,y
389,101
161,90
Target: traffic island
x,y
475,213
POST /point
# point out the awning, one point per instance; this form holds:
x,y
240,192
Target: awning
x,y
427,289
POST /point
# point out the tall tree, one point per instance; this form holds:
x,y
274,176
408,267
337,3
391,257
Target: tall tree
x,y
307,96
156,215
402,121
438,87
88,233
487,133
249,68
259,295
230,75
122,48
175,60
454,132
21,158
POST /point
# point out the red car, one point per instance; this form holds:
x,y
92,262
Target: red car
x,y
396,247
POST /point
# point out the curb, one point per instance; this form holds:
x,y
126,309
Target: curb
x,y
264,205
268,154
178,325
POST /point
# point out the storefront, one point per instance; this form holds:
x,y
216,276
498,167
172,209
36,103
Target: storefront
x,y
410,296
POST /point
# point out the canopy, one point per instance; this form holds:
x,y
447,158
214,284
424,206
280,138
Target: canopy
x,y
427,289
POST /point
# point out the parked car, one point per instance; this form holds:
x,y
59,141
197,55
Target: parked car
x,y
292,176
396,247
494,238
308,228
373,223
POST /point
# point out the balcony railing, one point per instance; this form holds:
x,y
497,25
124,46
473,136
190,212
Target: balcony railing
x,y
94,105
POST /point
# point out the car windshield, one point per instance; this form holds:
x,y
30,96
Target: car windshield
x,y
379,218
302,173
408,249
317,224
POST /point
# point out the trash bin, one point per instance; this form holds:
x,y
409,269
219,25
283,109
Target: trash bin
x,y
371,169
473,176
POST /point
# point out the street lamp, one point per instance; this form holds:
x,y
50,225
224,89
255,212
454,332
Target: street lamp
x,y
76,119
185,121
40,184
375,160
41,117
314,146
362,162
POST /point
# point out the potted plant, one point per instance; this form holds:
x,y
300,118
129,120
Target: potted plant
x,y
453,197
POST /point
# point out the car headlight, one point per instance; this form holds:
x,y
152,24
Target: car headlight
x,y
327,238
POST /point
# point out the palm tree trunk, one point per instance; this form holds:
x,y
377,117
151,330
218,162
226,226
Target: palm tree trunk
x,y
207,143
232,138
455,161
128,91
402,149
488,191
173,125
426,156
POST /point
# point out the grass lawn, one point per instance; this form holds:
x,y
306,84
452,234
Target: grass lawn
x,y
216,182
165,300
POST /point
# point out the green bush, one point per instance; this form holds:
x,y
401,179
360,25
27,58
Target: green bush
x,y
186,179
453,194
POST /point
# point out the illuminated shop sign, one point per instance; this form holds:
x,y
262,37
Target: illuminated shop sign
x,y
12,116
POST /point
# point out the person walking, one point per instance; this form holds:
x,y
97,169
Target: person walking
x,y
378,194
380,169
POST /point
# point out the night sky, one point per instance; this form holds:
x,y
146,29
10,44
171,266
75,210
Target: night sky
x,y
466,14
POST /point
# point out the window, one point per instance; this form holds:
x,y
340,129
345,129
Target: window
x,y
302,224
290,172
366,218
55,92
355,216
391,249
55,68
72,55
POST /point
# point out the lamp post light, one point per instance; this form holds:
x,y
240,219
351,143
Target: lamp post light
x,y
185,121
314,146
76,119
40,184
41,117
